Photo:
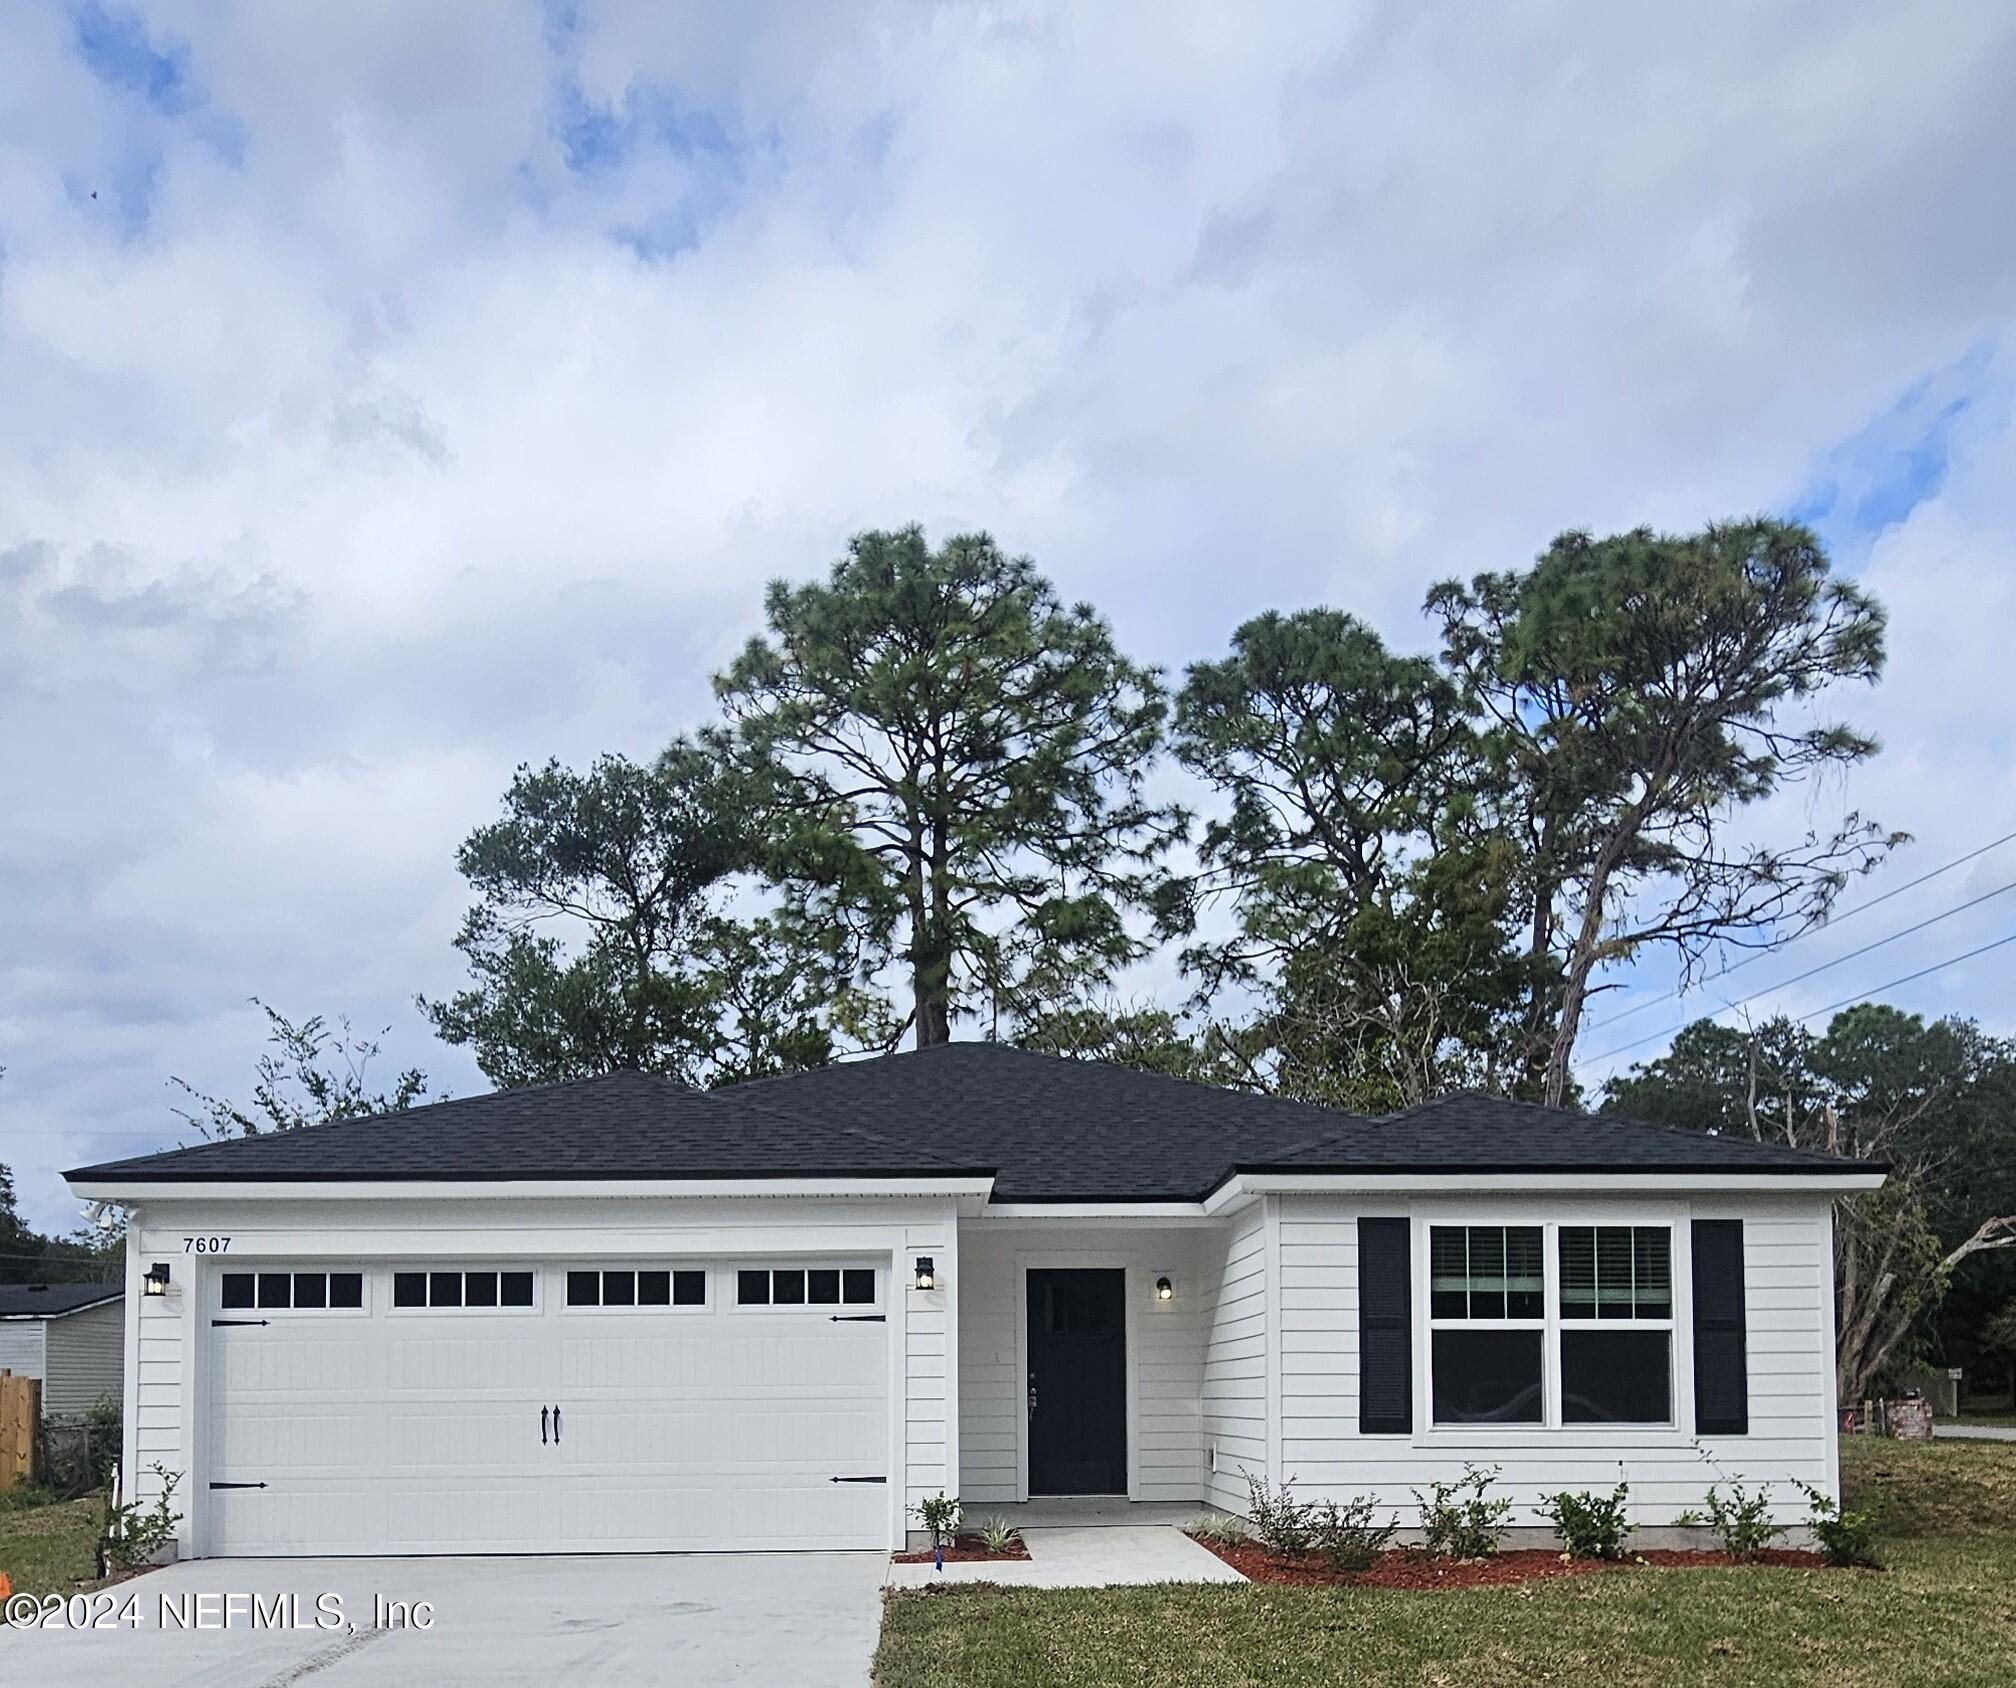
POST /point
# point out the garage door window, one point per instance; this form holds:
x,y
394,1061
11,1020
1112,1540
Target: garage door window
x,y
480,1291
647,1287
805,1286
304,1292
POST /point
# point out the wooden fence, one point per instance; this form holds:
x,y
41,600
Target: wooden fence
x,y
20,1420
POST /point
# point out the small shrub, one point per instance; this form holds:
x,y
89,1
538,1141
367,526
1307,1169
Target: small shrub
x,y
939,1514
1846,1538
1346,1537
104,1431
997,1535
1459,1521
1740,1520
1281,1524
1220,1527
1590,1526
131,1537
1343,1535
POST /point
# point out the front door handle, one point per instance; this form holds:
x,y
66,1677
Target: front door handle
x,y
542,1427
1032,1400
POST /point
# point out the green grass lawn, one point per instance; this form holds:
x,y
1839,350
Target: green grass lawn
x,y
1944,1612
50,1547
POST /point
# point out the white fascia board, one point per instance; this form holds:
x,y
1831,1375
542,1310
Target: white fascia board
x,y
1243,1186
1024,1214
581,1189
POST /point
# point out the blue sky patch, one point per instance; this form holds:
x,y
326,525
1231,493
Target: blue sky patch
x,y
118,50
1876,477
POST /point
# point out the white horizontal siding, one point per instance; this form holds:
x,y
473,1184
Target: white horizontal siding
x,y
1788,1287
21,1347
1236,1361
1164,1432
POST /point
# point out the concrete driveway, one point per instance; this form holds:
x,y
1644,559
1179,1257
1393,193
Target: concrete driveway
x,y
807,1619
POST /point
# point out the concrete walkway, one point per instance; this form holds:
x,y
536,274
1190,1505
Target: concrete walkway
x,y
1974,1432
1093,1556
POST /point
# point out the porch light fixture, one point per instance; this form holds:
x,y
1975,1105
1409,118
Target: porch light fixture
x,y
156,1281
927,1275
1164,1290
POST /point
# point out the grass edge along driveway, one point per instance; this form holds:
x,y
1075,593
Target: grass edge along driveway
x,y
1943,1613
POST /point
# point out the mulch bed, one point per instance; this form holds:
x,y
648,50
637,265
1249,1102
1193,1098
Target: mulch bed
x,y
963,1550
1406,1568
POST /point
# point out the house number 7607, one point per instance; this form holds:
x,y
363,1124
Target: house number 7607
x,y
206,1245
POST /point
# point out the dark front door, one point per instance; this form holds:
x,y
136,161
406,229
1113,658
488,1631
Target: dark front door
x,y
1077,1382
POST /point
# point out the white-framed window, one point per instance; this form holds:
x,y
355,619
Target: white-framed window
x,y
1487,1324
806,1286
1616,1308
637,1286
316,1291
476,1289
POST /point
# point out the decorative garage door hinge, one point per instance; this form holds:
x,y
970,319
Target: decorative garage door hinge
x,y
214,1323
857,1479
857,1318
237,1485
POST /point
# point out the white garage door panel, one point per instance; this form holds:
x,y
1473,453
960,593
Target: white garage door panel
x,y
419,1431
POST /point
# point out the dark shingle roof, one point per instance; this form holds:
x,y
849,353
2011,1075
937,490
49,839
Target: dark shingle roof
x,y
620,1125
1478,1133
1046,1129
21,1301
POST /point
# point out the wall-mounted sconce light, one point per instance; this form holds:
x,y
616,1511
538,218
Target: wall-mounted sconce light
x,y
156,1281
1164,1290
927,1276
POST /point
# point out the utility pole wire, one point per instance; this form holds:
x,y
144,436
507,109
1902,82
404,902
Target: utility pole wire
x,y
1825,926
1845,1002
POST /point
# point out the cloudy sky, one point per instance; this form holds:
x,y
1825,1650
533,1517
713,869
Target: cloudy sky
x,y
392,393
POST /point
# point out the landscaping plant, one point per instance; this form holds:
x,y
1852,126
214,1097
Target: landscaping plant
x,y
1282,1525
1591,1526
1219,1527
1459,1521
939,1514
131,1538
1741,1521
997,1534
1846,1538
1344,1536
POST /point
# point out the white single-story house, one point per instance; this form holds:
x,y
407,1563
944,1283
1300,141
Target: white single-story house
x,y
621,1315
71,1336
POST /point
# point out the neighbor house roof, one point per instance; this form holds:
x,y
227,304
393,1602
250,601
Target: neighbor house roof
x,y
49,1301
1043,1127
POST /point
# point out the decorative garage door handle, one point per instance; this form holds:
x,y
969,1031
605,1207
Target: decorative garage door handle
x,y
542,1426
556,1427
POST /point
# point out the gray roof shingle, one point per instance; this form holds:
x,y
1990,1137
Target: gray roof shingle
x,y
47,1301
1046,1128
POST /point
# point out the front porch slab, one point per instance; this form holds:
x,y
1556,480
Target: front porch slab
x,y
1106,1555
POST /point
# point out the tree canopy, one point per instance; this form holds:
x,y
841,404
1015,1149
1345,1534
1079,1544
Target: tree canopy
x,y
1936,1101
950,765
1635,694
606,934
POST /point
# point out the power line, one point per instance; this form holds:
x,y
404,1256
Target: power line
x,y
1825,966
1851,1001
1825,926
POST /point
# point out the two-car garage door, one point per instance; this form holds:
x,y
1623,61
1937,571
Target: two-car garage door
x,y
545,1408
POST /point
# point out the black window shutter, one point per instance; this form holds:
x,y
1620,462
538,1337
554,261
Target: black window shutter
x,y
1721,1371
1385,1329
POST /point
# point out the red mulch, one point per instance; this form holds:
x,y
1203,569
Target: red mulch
x,y
1405,1568
963,1550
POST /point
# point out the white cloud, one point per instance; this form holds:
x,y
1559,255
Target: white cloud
x,y
374,458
